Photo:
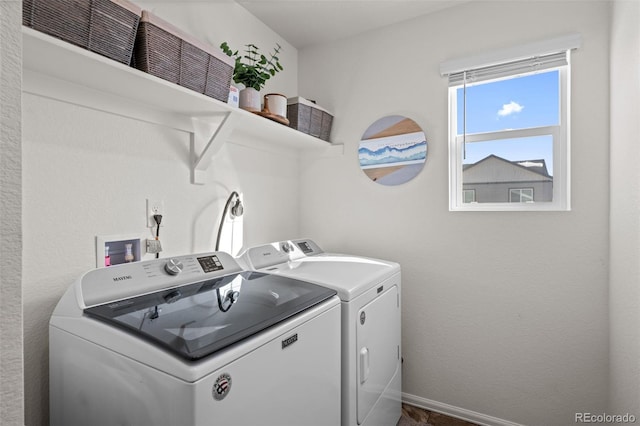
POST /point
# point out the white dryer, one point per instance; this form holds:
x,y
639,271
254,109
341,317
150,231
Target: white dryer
x,y
369,290
194,340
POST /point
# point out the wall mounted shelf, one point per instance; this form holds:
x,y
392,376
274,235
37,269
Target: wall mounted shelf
x,y
59,70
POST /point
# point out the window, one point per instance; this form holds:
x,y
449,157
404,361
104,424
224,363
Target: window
x,y
468,195
521,195
509,129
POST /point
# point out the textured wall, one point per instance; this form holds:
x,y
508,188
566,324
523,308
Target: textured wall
x,y
624,295
88,173
481,333
11,384
504,313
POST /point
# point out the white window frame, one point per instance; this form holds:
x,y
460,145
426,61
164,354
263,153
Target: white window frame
x,y
560,134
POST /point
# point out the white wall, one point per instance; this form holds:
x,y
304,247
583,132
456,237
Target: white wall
x,y
625,209
11,375
505,315
88,173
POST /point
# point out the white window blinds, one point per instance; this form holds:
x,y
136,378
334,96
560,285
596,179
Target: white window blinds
x,y
522,59
537,63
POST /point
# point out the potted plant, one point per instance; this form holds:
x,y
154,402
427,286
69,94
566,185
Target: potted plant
x,y
253,69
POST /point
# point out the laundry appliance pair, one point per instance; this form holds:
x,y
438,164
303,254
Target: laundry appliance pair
x,y
295,337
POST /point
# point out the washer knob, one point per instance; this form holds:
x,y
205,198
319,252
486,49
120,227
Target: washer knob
x,y
287,247
173,267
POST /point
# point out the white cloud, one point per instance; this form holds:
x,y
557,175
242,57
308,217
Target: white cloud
x,y
510,108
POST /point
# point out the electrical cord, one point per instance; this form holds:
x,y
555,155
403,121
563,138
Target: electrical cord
x,y
158,219
236,210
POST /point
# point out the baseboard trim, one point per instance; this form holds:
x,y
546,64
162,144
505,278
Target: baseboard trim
x,y
460,413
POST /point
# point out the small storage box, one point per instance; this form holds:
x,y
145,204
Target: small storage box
x,y
107,27
167,52
309,118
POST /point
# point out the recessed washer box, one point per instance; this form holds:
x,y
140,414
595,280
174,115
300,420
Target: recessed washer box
x,y
116,247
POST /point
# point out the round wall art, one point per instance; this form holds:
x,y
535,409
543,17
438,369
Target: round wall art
x,y
392,150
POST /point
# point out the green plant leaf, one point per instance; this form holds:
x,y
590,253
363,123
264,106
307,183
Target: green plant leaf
x,y
251,68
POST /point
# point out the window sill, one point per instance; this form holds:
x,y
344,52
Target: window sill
x,y
510,207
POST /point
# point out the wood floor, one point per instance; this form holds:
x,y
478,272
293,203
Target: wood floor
x,y
414,416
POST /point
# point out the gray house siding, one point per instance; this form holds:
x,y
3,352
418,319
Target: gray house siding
x,y
493,177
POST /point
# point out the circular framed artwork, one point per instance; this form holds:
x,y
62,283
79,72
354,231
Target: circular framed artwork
x,y
392,150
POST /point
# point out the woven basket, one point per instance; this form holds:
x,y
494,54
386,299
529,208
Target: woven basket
x,y
27,13
107,27
165,51
307,117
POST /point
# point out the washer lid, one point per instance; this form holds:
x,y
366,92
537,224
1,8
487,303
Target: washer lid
x,y
196,320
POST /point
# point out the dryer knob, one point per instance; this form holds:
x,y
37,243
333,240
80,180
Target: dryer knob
x,y
173,267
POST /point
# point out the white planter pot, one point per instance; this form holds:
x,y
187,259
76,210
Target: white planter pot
x,y
249,99
276,104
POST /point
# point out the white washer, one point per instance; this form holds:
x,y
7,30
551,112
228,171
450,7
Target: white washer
x,y
194,340
370,291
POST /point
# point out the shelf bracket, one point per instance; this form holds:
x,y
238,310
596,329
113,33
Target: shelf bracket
x,y
209,134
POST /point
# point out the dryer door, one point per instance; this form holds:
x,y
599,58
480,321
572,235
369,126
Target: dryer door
x,y
378,344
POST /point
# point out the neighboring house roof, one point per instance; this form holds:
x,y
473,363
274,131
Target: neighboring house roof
x,y
494,169
536,166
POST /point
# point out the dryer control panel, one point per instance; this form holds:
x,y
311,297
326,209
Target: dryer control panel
x,y
126,280
281,252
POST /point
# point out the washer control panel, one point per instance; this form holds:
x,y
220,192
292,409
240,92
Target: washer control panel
x,y
117,282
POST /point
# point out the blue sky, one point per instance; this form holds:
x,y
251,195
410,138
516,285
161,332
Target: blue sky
x,y
516,103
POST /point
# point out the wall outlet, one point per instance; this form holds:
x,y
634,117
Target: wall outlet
x,y
154,206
